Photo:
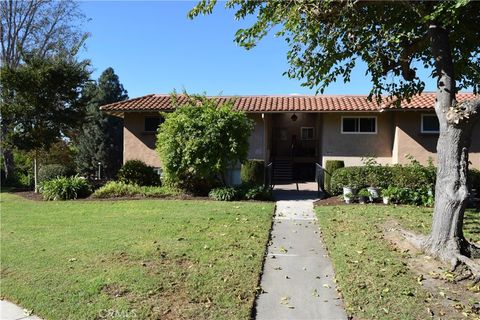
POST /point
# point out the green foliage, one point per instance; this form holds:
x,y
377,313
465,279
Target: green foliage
x,y
41,101
242,192
224,194
200,140
65,188
352,177
117,189
363,193
330,167
101,136
261,192
326,39
137,172
405,184
252,172
52,171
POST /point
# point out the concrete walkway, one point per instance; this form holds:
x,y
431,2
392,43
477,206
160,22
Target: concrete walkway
x,y
297,280
10,311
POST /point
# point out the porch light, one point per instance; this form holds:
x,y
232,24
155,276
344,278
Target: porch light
x,y
294,117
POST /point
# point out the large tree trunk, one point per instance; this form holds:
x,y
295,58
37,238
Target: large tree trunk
x,y
446,240
7,154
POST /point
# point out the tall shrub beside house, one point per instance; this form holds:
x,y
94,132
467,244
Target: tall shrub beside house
x,y
252,172
199,141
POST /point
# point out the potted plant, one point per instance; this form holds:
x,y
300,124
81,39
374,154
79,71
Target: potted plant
x,y
349,190
363,195
348,197
389,194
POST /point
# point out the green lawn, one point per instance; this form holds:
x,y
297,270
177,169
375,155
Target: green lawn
x,y
126,259
374,279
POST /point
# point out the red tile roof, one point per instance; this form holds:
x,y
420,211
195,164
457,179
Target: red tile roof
x,y
320,103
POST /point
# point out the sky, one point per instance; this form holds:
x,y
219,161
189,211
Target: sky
x,y
154,48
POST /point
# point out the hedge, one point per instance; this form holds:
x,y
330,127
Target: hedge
x,y
252,172
330,167
412,176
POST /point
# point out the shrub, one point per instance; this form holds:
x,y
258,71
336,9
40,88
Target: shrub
x,y
346,177
224,194
115,189
252,172
259,193
51,171
200,140
137,172
330,167
65,188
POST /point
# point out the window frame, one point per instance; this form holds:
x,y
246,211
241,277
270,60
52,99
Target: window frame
x,y
358,117
301,133
145,120
429,131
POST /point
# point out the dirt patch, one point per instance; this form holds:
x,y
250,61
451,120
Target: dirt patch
x,y
114,290
448,298
29,195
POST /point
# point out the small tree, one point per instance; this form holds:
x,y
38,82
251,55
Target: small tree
x,y
200,140
41,101
101,137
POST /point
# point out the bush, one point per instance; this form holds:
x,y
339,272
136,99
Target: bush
x,y
252,172
65,188
242,192
346,177
225,194
330,167
137,172
200,140
117,189
51,171
259,193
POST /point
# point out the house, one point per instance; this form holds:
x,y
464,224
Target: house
x,y
295,132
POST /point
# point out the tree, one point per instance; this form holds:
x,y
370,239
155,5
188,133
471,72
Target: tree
x,y
327,38
41,101
44,28
200,140
101,137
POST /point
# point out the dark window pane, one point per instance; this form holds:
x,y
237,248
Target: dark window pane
x,y
367,125
430,123
152,123
307,133
350,125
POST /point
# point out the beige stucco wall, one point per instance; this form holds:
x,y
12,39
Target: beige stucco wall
x,y
138,144
409,140
352,147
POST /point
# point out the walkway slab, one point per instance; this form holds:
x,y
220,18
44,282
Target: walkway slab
x,y
297,280
10,311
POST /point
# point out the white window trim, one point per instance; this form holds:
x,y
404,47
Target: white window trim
x,y
357,117
301,129
421,124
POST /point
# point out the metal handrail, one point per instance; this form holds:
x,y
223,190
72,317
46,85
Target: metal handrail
x,y
268,175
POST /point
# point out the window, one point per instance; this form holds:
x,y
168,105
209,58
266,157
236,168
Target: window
x,y
430,124
367,125
307,133
152,123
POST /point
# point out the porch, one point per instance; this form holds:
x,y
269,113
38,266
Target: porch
x,y
293,145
